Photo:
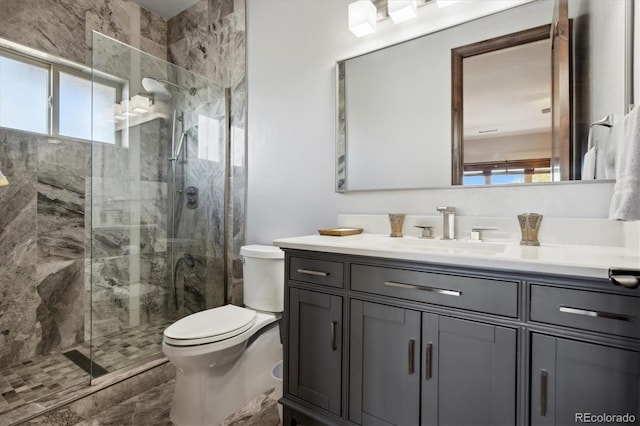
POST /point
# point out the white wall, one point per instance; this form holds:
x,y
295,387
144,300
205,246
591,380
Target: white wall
x,y
292,47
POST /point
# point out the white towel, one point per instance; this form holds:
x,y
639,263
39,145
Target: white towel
x,y
625,202
593,166
589,164
609,150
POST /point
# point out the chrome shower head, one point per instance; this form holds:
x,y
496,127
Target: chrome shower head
x,y
159,87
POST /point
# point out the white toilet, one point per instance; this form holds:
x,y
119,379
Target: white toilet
x,y
224,356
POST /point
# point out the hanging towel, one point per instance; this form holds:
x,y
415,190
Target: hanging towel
x,y
609,150
589,164
625,202
593,166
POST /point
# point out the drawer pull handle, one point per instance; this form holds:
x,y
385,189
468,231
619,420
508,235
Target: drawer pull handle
x,y
333,335
428,361
419,287
412,343
597,314
314,273
543,393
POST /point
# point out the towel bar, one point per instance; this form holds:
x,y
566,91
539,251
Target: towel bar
x,y
606,121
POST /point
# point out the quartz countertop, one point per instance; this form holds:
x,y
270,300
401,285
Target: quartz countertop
x,y
576,260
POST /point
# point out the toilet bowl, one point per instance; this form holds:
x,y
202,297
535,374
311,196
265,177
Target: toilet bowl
x,y
224,355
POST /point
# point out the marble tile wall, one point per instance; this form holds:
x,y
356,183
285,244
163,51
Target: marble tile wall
x,y
63,27
209,39
45,211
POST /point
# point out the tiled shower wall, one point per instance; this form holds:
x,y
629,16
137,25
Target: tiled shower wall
x,y
209,39
44,211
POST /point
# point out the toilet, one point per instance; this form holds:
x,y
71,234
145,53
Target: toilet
x,y
224,356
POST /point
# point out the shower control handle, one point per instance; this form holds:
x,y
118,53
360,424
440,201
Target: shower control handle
x,y
192,197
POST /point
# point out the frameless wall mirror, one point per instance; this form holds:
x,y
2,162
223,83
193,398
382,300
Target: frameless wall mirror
x,y
396,107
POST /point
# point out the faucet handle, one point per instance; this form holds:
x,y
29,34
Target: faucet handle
x,y
427,230
447,209
476,232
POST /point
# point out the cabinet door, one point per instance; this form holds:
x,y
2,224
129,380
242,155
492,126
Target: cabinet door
x,y
384,365
315,348
469,372
572,379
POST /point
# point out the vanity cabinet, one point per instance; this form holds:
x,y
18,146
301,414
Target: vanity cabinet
x,y
409,367
393,342
315,348
572,379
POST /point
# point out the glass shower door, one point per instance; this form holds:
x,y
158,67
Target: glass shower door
x,y
157,201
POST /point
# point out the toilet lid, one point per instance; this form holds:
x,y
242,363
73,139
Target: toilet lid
x,y
209,326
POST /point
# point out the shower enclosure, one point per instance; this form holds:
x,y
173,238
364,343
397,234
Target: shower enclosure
x,y
113,219
157,203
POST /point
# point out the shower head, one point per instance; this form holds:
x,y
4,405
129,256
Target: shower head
x,y
159,87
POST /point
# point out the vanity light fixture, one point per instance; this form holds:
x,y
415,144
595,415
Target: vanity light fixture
x,y
445,3
362,17
402,10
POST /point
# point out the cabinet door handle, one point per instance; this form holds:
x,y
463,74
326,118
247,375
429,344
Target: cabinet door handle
x,y
333,335
543,393
428,361
312,272
419,287
590,313
412,343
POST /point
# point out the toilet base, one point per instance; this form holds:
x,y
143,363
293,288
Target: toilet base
x,y
207,397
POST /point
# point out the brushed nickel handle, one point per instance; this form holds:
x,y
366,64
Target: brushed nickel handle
x,y
543,393
418,287
428,361
312,272
597,314
333,335
412,343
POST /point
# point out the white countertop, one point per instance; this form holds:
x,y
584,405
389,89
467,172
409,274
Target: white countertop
x,y
576,260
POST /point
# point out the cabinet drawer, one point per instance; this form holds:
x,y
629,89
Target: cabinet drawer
x,y
316,271
587,310
472,293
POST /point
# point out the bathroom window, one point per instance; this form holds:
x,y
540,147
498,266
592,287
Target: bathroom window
x,y
75,107
24,94
52,99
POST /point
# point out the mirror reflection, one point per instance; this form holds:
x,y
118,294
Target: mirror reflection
x,y
396,128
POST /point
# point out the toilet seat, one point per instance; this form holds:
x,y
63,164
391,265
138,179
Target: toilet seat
x,y
212,325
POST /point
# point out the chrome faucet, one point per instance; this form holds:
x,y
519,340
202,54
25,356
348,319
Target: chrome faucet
x,y
448,224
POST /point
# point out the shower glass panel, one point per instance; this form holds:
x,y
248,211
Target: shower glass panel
x,y
157,202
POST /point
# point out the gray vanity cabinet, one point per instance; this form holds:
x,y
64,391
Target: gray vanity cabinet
x,y
572,379
409,367
384,365
429,344
315,348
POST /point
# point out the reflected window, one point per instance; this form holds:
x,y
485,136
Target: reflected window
x,y
24,90
507,172
209,138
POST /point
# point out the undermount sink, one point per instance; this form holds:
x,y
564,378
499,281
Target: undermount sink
x,y
443,246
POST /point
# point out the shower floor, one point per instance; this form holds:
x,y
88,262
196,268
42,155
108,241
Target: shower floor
x,y
46,374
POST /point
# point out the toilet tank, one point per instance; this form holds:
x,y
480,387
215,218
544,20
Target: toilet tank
x,y
263,271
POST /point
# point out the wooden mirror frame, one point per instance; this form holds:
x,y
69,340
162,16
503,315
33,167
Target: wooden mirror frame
x,y
458,54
